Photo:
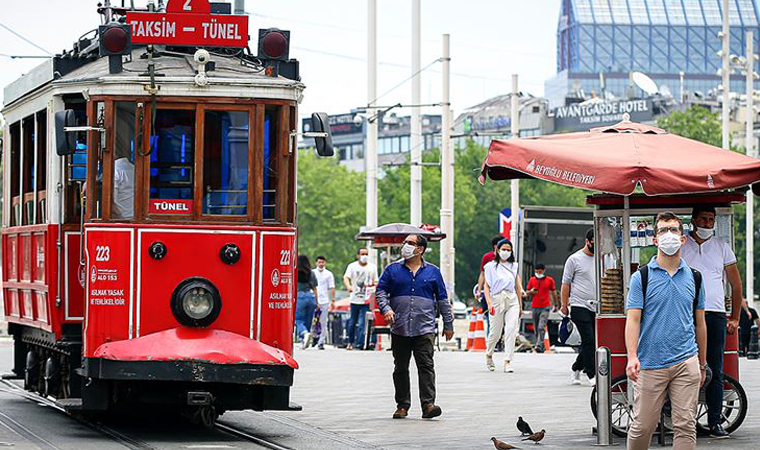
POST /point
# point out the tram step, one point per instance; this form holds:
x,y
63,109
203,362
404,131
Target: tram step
x,y
70,403
294,407
11,376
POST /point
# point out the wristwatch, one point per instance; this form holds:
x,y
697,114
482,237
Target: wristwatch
x,y
703,366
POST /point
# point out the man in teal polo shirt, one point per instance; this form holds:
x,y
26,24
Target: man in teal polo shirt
x,y
666,351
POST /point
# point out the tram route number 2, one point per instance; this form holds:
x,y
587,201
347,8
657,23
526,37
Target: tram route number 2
x,y
102,253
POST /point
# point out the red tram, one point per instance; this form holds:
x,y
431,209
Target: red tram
x,y
149,223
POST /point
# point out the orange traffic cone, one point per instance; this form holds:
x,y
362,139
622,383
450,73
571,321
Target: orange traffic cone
x,y
471,331
379,342
547,345
479,335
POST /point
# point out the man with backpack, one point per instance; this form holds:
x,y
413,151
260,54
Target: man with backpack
x,y
666,339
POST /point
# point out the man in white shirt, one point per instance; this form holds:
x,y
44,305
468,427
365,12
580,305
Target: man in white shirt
x,y
123,189
360,279
714,258
325,295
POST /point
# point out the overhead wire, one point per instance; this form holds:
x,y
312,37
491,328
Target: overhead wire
x,y
10,30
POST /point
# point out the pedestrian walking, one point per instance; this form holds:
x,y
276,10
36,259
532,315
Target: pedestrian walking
x,y
665,337
503,291
479,292
748,318
579,302
714,258
410,295
541,287
325,296
306,300
359,279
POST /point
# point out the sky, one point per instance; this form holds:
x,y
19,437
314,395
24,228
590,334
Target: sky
x,y
490,40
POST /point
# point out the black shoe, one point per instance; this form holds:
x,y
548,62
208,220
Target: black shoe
x,y
321,346
718,432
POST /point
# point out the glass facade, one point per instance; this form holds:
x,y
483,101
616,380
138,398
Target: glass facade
x,y
658,37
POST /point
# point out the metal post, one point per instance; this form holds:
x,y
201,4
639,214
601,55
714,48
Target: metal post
x,y
603,397
447,177
750,146
725,74
370,151
415,202
515,185
681,75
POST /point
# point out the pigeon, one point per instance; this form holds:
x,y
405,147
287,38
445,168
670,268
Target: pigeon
x,y
523,427
502,445
536,437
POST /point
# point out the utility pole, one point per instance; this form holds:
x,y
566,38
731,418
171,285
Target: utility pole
x,y
415,199
515,186
370,149
447,177
750,146
725,74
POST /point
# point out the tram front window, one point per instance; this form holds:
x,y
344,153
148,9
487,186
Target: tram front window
x,y
172,161
123,198
225,165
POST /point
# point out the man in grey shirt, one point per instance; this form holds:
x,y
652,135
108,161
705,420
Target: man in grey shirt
x,y
579,296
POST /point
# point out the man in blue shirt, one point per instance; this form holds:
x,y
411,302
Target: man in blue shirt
x,y
667,351
410,293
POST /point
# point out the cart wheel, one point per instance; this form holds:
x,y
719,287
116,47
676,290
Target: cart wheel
x,y
734,407
622,409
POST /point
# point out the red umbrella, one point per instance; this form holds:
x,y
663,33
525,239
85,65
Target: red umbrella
x,y
617,158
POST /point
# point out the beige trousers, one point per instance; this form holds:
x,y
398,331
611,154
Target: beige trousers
x,y
682,383
507,319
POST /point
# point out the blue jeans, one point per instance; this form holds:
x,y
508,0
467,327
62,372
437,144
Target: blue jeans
x,y
716,343
305,312
356,325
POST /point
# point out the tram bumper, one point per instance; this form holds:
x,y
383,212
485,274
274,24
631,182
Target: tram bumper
x,y
248,373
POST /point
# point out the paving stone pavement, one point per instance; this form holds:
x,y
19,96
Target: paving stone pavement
x,y
351,393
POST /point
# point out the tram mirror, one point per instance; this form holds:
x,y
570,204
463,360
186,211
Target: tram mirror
x,y
65,141
320,123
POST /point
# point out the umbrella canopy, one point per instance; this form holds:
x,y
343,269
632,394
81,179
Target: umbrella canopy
x,y
618,158
396,232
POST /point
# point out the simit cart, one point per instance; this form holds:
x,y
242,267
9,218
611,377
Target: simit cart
x,y
637,170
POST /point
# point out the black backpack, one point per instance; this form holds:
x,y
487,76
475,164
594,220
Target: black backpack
x,y
644,271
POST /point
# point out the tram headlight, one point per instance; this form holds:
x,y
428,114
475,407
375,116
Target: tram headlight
x,y
196,302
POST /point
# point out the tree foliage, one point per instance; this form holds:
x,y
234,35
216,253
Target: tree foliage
x,y
696,123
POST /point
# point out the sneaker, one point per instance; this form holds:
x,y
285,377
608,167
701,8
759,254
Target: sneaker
x,y
489,364
508,367
718,432
431,411
306,340
400,413
575,377
321,346
592,382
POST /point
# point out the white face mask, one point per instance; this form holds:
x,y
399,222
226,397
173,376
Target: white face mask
x,y
363,259
320,269
407,251
669,243
540,275
704,233
504,254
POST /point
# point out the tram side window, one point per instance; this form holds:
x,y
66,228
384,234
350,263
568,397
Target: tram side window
x,y
271,114
225,164
27,170
172,155
123,198
76,168
15,172
41,166
95,193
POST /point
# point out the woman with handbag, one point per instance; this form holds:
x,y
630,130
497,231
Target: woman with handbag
x,y
503,290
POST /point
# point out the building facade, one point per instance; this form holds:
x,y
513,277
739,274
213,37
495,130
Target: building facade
x,y
675,42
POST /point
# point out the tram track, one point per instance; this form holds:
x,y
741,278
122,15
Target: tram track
x,y
131,443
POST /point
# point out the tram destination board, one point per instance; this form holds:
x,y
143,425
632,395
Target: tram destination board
x,y
188,22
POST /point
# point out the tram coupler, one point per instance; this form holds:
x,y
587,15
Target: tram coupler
x,y
199,398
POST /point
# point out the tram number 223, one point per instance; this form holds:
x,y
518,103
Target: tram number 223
x,y
285,257
102,253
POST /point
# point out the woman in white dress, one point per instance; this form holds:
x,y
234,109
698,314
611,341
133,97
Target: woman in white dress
x,y
503,290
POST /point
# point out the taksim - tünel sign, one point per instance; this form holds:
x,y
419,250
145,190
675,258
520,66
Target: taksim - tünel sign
x,y
188,22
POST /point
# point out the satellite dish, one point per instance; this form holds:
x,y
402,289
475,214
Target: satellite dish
x,y
644,83
665,91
